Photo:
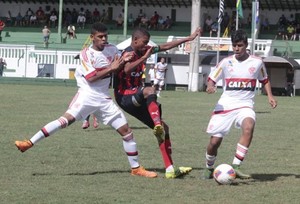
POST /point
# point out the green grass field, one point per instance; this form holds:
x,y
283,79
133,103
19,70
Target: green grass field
x,y
89,166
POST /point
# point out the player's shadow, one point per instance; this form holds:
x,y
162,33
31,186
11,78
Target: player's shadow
x,y
271,177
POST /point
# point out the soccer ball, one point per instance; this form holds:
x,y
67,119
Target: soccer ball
x,y
224,174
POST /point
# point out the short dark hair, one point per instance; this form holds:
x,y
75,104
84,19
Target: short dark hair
x,y
239,35
98,27
139,32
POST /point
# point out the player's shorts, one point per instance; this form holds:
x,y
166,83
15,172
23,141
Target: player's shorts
x,y
134,103
105,110
159,82
220,123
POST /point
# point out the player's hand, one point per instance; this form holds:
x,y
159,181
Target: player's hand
x,y
273,102
127,56
211,89
116,64
197,32
148,53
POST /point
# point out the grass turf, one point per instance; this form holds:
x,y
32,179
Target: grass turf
x,y
89,166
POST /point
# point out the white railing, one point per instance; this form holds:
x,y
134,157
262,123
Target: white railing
x,y
262,47
25,61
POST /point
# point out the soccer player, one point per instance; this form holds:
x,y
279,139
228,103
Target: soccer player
x,y
159,81
239,73
98,62
141,102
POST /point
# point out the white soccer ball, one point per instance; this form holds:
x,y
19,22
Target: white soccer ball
x,y
224,174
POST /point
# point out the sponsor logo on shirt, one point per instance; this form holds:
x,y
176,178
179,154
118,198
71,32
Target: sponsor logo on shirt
x,y
240,84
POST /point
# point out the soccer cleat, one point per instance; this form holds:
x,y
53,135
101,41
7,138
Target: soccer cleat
x,y
86,124
158,131
208,173
23,145
238,172
141,171
178,172
95,124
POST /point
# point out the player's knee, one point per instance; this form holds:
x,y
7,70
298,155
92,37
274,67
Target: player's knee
x,y
151,98
64,122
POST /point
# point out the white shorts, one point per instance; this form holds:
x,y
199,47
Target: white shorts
x,y
220,124
159,82
105,110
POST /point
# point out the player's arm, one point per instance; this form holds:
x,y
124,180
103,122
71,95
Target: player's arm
x,y
103,72
268,90
175,43
131,65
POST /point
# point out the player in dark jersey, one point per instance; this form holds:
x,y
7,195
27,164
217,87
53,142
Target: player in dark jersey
x,y
141,102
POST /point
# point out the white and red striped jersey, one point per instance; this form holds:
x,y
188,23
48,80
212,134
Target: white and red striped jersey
x,y
239,81
93,61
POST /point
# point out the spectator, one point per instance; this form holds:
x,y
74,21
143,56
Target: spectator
x,y
71,32
26,20
96,15
81,21
19,20
33,20
53,20
208,23
214,29
29,12
88,16
46,35
297,33
282,20
144,22
290,31
119,21
130,20
2,66
40,14
168,23
265,24
161,22
153,21
281,32
75,16
2,25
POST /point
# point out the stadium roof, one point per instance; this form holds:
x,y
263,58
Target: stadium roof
x,y
247,4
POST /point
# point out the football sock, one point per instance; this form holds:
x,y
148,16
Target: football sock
x,y
210,161
240,154
153,109
49,129
130,148
165,155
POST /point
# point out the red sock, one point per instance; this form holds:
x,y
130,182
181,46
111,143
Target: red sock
x,y
165,154
154,113
168,146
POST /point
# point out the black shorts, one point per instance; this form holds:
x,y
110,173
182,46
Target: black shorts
x,y
136,105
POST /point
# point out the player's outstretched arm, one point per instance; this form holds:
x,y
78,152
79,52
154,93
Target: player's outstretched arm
x,y
169,45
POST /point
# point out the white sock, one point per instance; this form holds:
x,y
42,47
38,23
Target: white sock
x,y
49,129
240,154
210,161
130,148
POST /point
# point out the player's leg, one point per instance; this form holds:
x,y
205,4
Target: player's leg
x,y
116,119
86,122
218,126
245,120
74,113
46,131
